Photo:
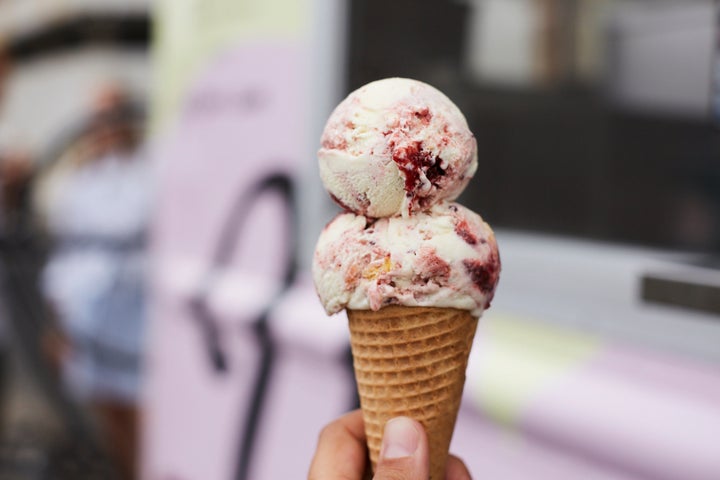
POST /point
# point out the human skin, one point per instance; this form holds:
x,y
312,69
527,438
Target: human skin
x,y
341,453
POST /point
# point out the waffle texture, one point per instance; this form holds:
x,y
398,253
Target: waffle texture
x,y
411,361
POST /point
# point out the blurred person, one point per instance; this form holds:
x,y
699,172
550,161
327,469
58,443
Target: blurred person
x,y
95,204
404,455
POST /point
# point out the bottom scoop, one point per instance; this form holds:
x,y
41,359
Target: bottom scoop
x,y
445,257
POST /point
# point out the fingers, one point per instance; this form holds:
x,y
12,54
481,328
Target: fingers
x,y
404,453
341,452
456,469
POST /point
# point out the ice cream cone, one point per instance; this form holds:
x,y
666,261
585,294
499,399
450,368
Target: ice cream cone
x,y
411,361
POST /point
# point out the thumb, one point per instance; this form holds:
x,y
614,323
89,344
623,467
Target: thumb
x,y
404,451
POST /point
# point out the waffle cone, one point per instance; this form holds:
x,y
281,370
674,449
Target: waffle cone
x,y
411,361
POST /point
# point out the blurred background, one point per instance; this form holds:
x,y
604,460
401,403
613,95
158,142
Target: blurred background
x,y
160,202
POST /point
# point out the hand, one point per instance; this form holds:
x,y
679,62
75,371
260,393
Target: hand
x,y
341,453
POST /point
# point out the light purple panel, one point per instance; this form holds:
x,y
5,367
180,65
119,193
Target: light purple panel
x,y
696,381
647,415
493,451
241,119
307,392
192,417
310,387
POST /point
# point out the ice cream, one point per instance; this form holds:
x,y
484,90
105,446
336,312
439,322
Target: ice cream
x,y
396,146
413,270
443,257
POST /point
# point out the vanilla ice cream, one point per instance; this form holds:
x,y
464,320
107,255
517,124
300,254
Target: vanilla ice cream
x,y
444,257
396,146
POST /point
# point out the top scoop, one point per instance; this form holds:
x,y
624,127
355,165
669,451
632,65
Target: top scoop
x,y
396,146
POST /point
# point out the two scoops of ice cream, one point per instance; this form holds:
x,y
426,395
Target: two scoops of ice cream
x,y
413,269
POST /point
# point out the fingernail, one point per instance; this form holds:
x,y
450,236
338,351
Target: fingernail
x,y
400,438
